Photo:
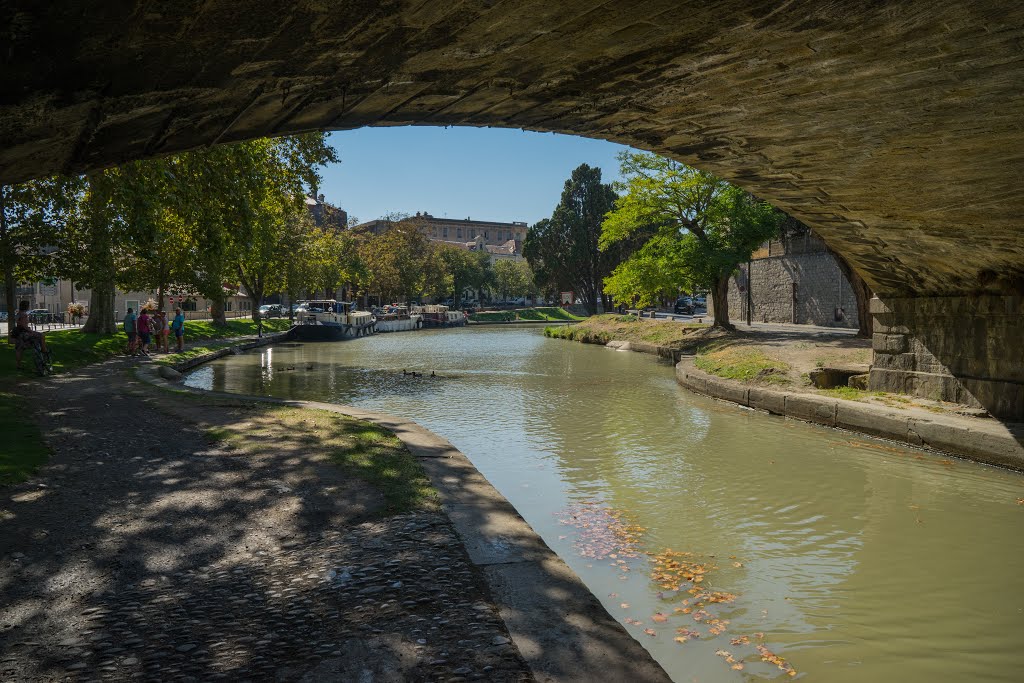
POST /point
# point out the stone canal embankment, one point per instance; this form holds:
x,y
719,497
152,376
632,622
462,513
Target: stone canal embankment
x,y
558,626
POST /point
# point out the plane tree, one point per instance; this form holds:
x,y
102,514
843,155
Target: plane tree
x,y
702,229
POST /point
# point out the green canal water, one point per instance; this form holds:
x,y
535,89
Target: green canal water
x,y
846,558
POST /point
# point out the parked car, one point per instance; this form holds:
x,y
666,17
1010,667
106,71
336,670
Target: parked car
x,y
39,315
684,306
271,311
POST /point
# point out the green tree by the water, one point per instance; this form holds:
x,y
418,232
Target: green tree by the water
x,y
703,229
563,250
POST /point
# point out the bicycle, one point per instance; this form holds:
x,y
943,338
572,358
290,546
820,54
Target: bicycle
x,y
42,359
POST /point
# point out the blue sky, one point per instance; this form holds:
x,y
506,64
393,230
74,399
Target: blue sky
x,y
491,174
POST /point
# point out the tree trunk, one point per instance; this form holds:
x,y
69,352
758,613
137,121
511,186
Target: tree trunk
x,y
7,256
101,309
217,311
721,302
865,323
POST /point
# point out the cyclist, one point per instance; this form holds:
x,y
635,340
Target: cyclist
x,y
24,336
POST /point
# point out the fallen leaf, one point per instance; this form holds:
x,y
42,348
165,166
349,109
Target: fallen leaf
x,y
650,632
624,605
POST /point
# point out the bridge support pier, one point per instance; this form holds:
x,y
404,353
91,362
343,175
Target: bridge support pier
x,y
966,349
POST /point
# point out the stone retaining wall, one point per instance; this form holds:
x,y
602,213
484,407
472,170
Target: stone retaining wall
x,y
804,288
961,349
987,441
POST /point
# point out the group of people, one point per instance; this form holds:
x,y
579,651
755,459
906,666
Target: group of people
x,y
151,327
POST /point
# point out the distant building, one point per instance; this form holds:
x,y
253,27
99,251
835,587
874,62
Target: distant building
x,y
326,215
501,240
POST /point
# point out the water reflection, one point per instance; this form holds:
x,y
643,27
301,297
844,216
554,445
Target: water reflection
x,y
857,559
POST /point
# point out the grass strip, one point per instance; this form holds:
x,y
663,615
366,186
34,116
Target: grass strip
x,y
601,329
542,314
73,348
363,450
23,449
742,364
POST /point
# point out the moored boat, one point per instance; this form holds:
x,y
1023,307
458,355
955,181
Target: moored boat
x,y
398,319
437,315
330,320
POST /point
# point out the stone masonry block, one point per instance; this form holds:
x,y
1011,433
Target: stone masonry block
x,y
889,343
766,399
728,390
863,417
812,408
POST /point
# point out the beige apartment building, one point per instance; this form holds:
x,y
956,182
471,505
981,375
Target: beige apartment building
x,y
501,240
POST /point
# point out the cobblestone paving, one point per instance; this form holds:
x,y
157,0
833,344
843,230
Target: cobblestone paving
x,y
183,562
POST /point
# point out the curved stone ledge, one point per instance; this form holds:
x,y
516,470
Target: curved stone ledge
x,y
249,343
562,631
987,441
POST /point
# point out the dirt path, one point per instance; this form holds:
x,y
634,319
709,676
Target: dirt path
x,y
150,548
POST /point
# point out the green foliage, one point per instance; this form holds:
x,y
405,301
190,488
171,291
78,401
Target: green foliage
x,y
513,278
457,270
704,227
563,250
24,451
400,262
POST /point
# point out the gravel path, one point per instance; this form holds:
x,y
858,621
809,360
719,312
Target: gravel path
x,y
146,550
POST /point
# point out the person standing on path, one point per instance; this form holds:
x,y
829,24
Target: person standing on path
x,y
144,332
179,329
131,330
164,333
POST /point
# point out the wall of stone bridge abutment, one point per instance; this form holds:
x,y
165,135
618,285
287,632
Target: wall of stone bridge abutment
x,y
966,349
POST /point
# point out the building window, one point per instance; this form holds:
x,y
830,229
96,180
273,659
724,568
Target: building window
x,y
433,231
459,233
444,232
486,236
472,233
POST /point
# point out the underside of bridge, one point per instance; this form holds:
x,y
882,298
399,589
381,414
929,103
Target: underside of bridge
x,y
891,128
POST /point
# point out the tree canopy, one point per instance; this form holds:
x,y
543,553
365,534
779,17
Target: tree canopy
x,y
702,227
563,250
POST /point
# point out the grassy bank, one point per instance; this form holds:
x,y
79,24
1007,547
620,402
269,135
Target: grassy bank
x,y
742,363
544,314
363,450
74,348
23,450
601,329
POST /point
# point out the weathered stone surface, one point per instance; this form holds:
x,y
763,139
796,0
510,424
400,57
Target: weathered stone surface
x,y
967,349
836,376
812,408
892,131
859,382
169,373
766,399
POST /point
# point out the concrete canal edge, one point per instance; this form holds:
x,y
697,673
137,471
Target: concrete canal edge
x,y
983,440
561,629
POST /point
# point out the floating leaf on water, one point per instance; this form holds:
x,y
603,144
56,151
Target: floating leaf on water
x,y
650,632
659,617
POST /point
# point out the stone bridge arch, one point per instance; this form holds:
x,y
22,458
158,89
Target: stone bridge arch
x,y
891,128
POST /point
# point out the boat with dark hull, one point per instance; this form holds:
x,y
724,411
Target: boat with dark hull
x,y
330,320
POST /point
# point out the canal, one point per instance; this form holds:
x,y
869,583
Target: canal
x,y
734,545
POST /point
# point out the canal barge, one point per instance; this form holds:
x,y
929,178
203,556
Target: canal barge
x,y
398,319
330,320
437,315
